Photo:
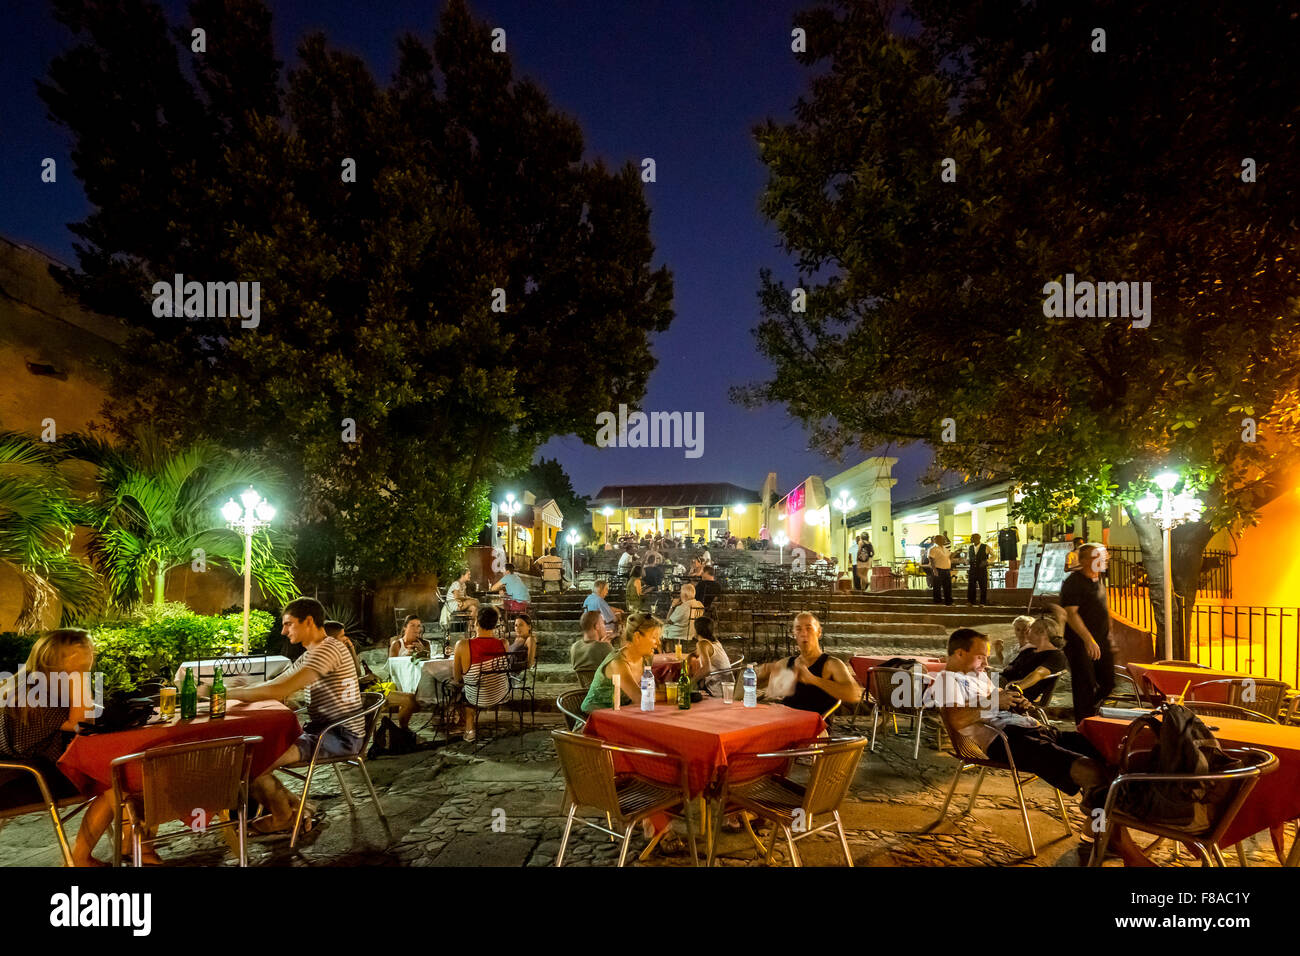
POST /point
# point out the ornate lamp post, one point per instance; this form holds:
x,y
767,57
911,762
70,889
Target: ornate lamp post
x,y
844,504
1170,510
780,540
572,538
247,519
511,507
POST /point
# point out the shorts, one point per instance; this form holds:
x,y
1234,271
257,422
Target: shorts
x,y
338,743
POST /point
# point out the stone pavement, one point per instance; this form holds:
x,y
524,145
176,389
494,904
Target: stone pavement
x,y
497,802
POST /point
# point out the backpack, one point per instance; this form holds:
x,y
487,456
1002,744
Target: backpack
x,y
1183,745
393,740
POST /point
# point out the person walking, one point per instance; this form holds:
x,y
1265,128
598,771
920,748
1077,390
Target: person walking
x,y
862,565
940,570
977,572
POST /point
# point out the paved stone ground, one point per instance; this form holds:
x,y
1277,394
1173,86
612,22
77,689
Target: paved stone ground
x,y
444,800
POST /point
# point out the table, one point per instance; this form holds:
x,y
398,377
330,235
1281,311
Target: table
x,y
1275,799
256,668
419,677
863,664
707,736
1170,680
87,760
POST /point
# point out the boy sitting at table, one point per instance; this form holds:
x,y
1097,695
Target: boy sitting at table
x,y
326,671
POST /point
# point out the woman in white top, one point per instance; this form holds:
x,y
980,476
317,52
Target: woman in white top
x,y
680,625
456,600
709,660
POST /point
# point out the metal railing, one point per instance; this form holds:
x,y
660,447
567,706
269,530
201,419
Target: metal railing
x,y
1127,570
1264,641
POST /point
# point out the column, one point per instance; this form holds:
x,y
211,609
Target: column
x,y
946,521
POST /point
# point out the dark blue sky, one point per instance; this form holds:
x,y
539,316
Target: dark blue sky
x,y
683,82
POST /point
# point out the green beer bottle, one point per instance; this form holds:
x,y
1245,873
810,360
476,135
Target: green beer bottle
x,y
189,696
684,686
218,694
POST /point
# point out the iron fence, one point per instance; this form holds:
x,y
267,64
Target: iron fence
x,y
1215,580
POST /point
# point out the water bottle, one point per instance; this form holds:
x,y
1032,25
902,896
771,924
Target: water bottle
x,y
647,689
751,687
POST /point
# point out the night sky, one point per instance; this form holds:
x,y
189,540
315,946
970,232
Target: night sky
x,y
683,82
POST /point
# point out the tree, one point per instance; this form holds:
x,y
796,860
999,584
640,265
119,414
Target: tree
x,y
36,528
927,295
156,509
546,478
379,377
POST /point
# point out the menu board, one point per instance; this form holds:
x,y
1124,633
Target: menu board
x,y
1051,572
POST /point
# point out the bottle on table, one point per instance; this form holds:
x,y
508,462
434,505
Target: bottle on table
x,y
218,694
751,686
189,696
684,687
647,689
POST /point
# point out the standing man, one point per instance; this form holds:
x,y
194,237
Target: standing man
x,y
707,590
1086,619
862,565
977,571
764,538
940,570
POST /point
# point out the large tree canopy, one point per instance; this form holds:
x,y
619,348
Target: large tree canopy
x,y
377,294
925,296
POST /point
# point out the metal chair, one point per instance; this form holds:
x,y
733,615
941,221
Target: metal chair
x,y
590,781
790,805
570,705
185,782
486,685
1225,793
729,673
523,684
371,703
970,755
1205,708
893,692
1260,694
1126,692
15,769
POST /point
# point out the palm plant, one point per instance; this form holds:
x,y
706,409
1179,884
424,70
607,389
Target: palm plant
x,y
36,527
157,507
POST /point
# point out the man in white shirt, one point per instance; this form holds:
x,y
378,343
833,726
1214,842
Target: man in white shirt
x,y
551,565
940,570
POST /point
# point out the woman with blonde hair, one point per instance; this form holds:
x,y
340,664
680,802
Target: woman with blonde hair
x,y
640,636
37,731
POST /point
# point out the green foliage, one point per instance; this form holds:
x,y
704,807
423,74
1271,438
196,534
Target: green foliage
x,y
36,527
546,478
925,297
376,294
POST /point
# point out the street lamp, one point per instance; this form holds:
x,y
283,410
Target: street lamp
x,y
781,540
511,507
572,538
844,504
247,519
1173,510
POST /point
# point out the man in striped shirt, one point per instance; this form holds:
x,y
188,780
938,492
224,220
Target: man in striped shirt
x,y
327,673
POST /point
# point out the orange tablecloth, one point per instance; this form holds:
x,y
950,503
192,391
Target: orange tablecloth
x,y
863,664
1171,680
1275,799
707,736
87,760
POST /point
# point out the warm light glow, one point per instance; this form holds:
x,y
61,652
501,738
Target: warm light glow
x,y
1148,504
607,511
1166,480
265,512
231,511
738,509
571,537
250,498
780,539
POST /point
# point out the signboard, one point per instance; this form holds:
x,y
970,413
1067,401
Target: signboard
x,y
1029,560
1051,571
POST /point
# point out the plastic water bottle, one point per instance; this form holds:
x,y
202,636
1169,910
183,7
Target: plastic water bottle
x,y
751,687
647,689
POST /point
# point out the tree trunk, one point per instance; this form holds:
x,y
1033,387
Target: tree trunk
x,y
1188,542
159,584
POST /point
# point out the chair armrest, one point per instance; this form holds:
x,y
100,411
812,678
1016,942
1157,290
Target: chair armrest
x,y
46,795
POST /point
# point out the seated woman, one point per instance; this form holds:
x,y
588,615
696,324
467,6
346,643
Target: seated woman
x,y
410,643
40,734
708,659
524,641
640,635
457,600
634,596
697,567
685,611
1036,663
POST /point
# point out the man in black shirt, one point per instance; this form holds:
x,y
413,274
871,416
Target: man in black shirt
x,y
1087,633
707,590
977,571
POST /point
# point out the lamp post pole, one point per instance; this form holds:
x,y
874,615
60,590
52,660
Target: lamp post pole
x,y
1167,521
1171,511
247,519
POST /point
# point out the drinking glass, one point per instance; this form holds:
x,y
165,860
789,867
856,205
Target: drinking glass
x,y
728,691
670,688
167,703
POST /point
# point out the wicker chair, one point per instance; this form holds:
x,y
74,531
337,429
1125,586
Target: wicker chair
x,y
585,676
892,692
1205,708
590,781
1259,694
789,805
371,704
570,705
970,756
1226,792
178,783
12,769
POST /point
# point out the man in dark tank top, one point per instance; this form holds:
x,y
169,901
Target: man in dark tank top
x,y
819,680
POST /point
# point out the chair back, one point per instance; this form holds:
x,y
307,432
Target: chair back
x,y
487,683
1041,693
570,705
1260,694
588,771
585,676
372,705
178,780
963,746
893,689
1205,708
832,775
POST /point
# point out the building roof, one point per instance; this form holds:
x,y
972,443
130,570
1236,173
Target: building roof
x,y
672,496
943,494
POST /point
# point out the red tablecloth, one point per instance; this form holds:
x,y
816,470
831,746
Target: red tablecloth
x,y
707,736
1275,799
1171,680
87,760
861,665
666,667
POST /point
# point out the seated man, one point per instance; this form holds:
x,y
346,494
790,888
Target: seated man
x,y
707,590
811,679
517,596
595,601
329,676
551,567
587,652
